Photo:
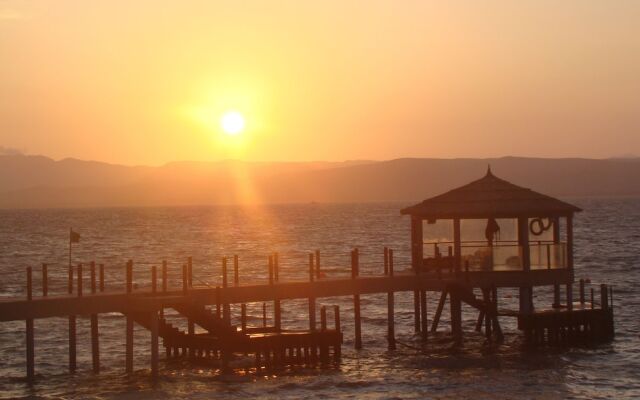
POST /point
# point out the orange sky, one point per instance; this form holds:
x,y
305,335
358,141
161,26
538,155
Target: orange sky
x,y
145,82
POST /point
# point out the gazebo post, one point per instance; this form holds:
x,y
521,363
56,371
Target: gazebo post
x,y
526,295
416,243
556,241
455,303
417,256
570,261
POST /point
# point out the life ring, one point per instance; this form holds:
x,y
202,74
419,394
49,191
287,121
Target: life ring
x,y
537,226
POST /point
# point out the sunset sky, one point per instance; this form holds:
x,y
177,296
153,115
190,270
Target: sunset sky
x,y
147,82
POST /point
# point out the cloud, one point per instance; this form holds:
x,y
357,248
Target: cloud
x,y
10,151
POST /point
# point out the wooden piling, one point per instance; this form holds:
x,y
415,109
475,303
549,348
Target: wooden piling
x,y
190,270
30,333
185,279
416,311
154,344
416,299
154,280
424,326
323,318
243,317
79,291
45,280
236,271
581,291
336,316
165,282
264,315
191,331
496,323
318,273
312,299
72,327
391,335
604,297
436,317
385,253
95,345
270,269
101,274
236,282
480,321
226,309
486,296
455,306
129,276
277,311
355,271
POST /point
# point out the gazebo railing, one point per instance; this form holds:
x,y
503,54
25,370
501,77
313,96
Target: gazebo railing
x,y
502,255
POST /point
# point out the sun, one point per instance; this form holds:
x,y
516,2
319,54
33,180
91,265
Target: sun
x,y
232,123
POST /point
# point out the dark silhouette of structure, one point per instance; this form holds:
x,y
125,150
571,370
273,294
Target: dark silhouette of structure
x,y
519,243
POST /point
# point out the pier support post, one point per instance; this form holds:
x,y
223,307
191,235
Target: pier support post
x,y
312,299
45,280
355,272
30,333
165,283
129,276
391,334
273,278
226,309
95,346
416,311
496,323
486,296
154,344
72,327
424,325
190,270
570,261
101,275
436,317
456,317
604,297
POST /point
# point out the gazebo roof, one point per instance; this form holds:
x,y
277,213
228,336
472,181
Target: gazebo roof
x,y
490,197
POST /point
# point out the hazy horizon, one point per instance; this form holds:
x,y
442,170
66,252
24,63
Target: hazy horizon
x,y
4,151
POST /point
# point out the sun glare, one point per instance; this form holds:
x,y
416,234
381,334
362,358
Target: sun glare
x,y
232,123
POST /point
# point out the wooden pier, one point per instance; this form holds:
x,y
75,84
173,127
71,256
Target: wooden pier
x,y
466,273
274,346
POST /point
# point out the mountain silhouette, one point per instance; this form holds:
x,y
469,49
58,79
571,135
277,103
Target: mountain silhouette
x,y
39,182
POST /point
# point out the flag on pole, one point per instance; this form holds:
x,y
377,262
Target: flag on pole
x,y
74,237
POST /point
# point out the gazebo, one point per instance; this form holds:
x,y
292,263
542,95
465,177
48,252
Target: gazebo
x,y
537,251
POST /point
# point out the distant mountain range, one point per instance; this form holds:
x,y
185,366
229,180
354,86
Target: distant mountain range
x,y
40,182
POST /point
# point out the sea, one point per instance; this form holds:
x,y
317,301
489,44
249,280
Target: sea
x,y
607,250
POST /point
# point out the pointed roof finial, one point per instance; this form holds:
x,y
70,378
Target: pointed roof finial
x,y
489,170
